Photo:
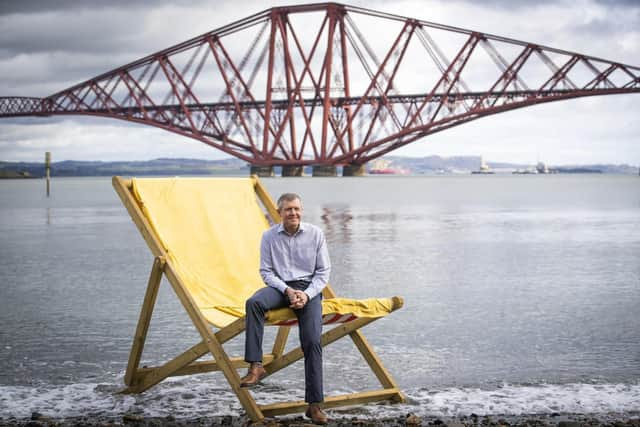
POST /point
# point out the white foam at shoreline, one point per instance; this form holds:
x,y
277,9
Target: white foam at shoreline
x,y
184,399
534,399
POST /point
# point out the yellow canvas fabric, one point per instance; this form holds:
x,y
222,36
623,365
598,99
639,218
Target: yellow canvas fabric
x,y
211,229
371,307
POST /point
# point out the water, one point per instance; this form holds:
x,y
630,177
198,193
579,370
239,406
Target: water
x,y
521,296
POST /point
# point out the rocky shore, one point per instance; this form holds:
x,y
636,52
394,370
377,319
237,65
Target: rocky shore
x,y
543,420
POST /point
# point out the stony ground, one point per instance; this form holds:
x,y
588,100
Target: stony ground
x,y
555,420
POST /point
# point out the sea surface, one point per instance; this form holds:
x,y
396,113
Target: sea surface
x,y
522,296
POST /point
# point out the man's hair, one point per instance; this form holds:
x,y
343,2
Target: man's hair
x,y
288,197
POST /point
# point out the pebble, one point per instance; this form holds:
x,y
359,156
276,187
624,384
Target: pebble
x,y
569,424
413,420
130,418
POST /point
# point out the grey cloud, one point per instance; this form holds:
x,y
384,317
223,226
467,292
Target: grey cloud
x,y
39,6
515,5
9,7
75,120
58,31
633,3
90,27
598,27
44,74
507,5
47,46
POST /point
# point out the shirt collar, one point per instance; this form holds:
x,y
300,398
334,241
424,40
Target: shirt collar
x,y
301,228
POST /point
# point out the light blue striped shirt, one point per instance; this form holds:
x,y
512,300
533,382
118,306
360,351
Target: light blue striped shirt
x,y
301,256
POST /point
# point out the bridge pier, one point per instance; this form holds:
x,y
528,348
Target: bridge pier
x,y
292,170
353,170
262,171
324,171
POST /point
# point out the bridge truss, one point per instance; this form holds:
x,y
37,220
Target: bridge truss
x,y
329,84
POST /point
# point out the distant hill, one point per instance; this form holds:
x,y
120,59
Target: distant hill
x,y
232,166
466,164
129,168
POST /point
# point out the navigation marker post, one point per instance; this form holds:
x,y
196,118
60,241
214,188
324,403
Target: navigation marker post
x,y
47,170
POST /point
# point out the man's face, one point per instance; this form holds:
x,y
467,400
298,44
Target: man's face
x,y
291,214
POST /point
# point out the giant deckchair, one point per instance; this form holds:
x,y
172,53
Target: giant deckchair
x,y
205,236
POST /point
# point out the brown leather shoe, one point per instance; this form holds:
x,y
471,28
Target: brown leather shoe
x,y
254,375
316,414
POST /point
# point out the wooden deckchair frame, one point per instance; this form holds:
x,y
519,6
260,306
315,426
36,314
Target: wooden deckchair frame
x,y
140,379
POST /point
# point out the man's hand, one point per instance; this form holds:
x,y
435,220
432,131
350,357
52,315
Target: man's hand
x,y
291,296
298,299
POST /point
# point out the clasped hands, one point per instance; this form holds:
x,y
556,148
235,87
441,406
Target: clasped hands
x,y
298,299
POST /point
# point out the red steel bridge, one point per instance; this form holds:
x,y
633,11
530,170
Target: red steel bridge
x,y
330,85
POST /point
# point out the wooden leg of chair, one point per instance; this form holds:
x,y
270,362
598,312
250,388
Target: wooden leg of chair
x,y
369,355
205,366
385,378
148,378
143,322
281,341
183,364
225,365
266,200
214,345
326,339
281,408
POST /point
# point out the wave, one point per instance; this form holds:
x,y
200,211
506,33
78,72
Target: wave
x,y
528,399
184,399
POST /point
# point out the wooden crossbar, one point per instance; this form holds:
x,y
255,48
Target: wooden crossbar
x,y
326,339
351,399
140,379
204,366
145,318
145,378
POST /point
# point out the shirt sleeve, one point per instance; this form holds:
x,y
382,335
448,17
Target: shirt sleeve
x,y
267,271
323,269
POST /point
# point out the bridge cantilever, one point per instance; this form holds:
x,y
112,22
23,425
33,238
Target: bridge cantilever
x,y
283,99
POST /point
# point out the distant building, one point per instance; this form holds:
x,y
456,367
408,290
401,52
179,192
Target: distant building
x,y
383,167
484,168
541,167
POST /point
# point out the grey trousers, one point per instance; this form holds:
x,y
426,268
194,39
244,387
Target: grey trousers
x,y
309,327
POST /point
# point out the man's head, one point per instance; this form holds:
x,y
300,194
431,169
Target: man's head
x,y
290,210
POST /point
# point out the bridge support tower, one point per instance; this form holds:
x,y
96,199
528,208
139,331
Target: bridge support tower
x,y
353,170
292,170
325,171
262,171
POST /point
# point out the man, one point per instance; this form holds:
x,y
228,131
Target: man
x,y
295,266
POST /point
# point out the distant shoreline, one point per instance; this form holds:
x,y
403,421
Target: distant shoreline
x,y
18,176
430,165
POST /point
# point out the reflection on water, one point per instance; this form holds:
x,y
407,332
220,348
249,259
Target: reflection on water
x,y
380,226
504,279
336,221
340,225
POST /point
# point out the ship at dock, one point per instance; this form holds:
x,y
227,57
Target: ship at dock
x,y
384,167
484,169
540,168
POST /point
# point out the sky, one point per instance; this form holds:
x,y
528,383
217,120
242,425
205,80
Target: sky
x,y
47,46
